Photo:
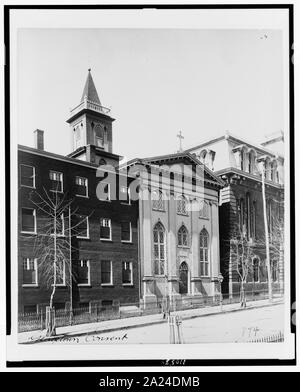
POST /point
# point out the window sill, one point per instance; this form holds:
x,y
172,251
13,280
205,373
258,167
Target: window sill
x,y
29,232
124,203
82,196
27,186
106,201
182,214
126,242
83,238
183,246
59,285
30,285
127,284
107,285
84,285
53,190
157,209
202,217
106,240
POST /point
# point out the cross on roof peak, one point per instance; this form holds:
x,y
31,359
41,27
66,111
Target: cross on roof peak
x,y
180,137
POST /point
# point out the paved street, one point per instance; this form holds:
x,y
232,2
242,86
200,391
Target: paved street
x,y
238,326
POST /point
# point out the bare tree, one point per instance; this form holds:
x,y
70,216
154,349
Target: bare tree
x,y
53,244
241,259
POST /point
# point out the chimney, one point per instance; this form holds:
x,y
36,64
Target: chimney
x,y
39,139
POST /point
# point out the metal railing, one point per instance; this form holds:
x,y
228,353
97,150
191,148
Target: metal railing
x,y
279,337
96,312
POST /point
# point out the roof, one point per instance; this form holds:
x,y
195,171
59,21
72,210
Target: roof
x,y
229,135
90,90
160,159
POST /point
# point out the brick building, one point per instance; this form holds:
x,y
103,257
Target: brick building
x,y
102,228
240,164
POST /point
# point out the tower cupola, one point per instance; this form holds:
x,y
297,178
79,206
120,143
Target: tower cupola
x,y
91,126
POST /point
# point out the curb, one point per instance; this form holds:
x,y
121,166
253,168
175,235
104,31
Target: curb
x,y
147,324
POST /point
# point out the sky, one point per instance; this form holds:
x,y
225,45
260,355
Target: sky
x,y
157,82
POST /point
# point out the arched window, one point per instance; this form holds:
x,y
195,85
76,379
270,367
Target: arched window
x,y
182,205
99,135
182,236
159,243
158,201
203,157
203,209
204,245
255,265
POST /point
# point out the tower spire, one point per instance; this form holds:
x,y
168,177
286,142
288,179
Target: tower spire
x,y
89,90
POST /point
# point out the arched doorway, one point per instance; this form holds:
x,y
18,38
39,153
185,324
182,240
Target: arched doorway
x,y
183,278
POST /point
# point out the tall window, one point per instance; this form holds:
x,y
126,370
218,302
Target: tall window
x,y
56,181
27,176
83,272
204,209
126,231
127,273
81,186
82,227
251,162
242,217
255,264
253,220
182,236
270,217
106,272
273,169
243,160
159,242
275,271
99,135
248,216
158,201
182,205
105,229
28,224
30,271
204,261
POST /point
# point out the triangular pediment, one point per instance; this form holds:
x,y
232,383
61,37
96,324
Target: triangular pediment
x,y
180,159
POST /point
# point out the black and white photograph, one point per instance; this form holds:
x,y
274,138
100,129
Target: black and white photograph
x,y
150,184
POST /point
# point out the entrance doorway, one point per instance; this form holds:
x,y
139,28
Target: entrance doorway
x,y
183,278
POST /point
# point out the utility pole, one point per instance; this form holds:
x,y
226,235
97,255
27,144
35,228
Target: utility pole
x,y
70,268
266,233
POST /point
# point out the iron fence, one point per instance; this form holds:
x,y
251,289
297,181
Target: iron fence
x,y
279,337
96,313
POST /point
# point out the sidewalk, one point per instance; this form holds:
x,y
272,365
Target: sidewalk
x,y
139,321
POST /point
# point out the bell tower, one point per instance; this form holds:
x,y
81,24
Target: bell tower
x,y
91,127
